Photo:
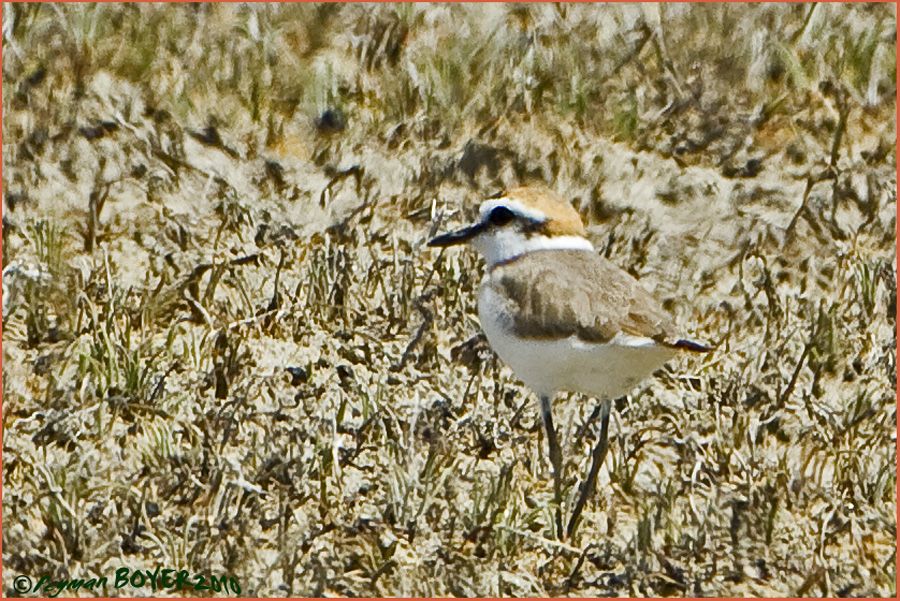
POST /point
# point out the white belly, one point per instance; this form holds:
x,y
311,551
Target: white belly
x,y
604,371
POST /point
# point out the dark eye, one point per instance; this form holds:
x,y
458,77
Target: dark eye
x,y
500,216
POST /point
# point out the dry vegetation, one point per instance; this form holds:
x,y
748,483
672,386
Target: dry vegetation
x,y
226,349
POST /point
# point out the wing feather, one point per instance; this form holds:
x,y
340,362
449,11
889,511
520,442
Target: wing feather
x,y
561,293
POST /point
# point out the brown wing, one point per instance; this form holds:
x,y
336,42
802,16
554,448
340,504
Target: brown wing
x,y
563,293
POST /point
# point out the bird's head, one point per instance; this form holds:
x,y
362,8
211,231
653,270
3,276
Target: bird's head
x,y
518,221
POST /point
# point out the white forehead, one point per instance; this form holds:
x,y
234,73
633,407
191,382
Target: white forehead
x,y
516,206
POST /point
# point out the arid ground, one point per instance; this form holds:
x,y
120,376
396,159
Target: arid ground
x,y
227,349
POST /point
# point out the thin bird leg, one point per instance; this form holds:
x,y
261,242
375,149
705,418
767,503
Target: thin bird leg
x,y
597,457
555,460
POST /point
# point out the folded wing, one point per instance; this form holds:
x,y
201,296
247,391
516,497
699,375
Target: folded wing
x,y
562,293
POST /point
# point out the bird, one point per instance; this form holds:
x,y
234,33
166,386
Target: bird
x,y
562,317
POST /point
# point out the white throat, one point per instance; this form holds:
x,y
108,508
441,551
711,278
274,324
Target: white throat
x,y
502,245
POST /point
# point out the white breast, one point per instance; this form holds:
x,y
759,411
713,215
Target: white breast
x,y
604,371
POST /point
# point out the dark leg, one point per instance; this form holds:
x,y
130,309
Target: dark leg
x,y
555,460
597,457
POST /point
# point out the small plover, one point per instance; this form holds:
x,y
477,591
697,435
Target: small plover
x,y
561,316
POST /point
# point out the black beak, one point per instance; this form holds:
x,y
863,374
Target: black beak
x,y
458,237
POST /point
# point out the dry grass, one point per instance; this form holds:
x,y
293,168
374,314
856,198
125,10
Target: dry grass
x,y
227,350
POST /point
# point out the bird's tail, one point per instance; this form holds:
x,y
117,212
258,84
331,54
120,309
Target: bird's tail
x,y
689,345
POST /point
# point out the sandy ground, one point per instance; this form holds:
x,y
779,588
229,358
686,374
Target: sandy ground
x,y
227,350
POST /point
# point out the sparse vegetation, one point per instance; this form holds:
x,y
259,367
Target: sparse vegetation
x,y
227,350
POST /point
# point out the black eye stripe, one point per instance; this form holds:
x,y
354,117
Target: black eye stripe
x,y
500,216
